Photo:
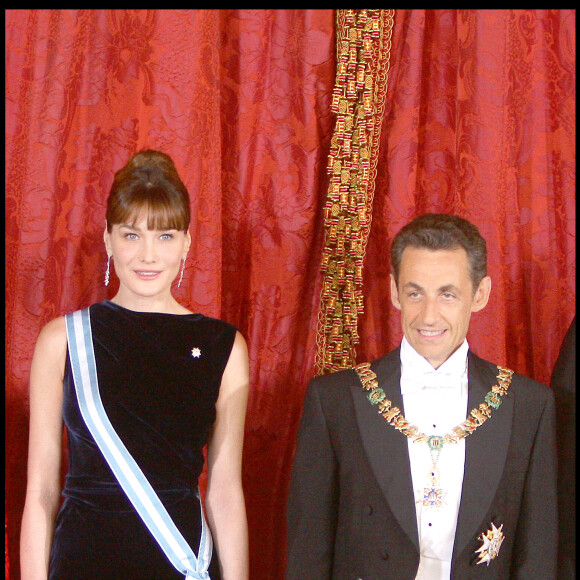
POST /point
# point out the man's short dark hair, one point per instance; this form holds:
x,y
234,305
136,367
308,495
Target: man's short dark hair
x,y
441,231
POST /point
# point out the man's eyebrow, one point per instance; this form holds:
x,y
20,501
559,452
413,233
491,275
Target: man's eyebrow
x,y
415,286
412,285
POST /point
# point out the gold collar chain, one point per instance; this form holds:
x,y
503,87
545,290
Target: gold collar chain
x,y
394,417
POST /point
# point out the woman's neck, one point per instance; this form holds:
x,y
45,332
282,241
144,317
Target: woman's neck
x,y
164,304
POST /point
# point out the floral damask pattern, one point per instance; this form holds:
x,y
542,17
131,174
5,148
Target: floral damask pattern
x,y
240,100
479,120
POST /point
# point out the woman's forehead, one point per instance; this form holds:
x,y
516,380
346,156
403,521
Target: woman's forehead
x,y
145,219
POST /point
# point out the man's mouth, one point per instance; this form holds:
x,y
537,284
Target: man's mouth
x,y
431,332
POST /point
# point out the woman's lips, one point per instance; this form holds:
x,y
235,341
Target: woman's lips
x,y
147,274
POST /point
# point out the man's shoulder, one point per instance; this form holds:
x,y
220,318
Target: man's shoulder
x,y
518,381
346,377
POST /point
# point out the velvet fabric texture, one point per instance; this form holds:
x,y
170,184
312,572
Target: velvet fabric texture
x,y
160,399
563,383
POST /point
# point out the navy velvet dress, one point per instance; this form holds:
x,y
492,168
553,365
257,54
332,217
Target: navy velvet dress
x,y
159,377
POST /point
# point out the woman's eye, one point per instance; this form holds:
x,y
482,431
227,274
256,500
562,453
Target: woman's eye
x,y
130,236
167,236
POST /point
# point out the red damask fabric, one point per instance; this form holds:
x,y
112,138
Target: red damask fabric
x,y
240,100
479,121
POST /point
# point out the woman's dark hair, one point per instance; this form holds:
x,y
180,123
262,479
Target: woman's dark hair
x,y
149,185
441,231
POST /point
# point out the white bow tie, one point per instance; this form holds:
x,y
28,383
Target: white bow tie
x,y
431,380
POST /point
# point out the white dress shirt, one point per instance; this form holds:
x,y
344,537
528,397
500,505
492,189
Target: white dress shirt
x,y
435,401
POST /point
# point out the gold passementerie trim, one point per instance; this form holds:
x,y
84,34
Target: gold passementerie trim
x,y
358,98
394,417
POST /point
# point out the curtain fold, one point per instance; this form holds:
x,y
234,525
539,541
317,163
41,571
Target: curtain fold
x,y
479,120
241,101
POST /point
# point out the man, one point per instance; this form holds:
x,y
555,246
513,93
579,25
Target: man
x,y
430,463
563,384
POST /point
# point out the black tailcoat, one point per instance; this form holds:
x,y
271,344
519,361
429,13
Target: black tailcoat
x,y
351,512
563,384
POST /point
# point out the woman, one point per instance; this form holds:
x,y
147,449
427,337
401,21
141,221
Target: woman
x,y
170,382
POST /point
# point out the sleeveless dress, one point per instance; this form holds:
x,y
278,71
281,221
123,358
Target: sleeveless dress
x,y
159,377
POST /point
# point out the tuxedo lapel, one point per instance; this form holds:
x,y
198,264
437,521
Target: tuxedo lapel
x,y
485,454
385,447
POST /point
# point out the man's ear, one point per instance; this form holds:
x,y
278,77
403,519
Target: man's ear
x,y
481,296
395,293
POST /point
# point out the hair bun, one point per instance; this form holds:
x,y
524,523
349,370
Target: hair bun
x,y
150,158
149,183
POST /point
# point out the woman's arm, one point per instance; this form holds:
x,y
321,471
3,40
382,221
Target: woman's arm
x,y
226,510
44,450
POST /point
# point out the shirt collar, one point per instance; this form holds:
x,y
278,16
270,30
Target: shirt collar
x,y
417,372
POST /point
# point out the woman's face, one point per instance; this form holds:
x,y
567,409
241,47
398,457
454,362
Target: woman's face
x,y
146,261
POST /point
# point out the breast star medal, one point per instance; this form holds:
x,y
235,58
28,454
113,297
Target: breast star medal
x,y
195,352
492,540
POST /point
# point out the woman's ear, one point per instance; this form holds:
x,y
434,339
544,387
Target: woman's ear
x,y
187,242
107,240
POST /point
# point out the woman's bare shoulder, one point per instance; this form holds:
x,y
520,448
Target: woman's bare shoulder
x,y
49,360
52,338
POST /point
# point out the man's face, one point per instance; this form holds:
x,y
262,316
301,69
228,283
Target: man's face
x,y
435,296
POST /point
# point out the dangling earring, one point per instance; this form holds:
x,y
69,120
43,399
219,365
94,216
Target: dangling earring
x,y
108,269
182,269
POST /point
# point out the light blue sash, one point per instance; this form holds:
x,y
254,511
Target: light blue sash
x,y
130,476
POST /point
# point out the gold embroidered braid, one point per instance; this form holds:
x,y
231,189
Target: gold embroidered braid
x,y
394,417
358,98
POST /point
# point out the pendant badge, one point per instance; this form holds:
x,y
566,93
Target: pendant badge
x,y
195,352
492,540
434,498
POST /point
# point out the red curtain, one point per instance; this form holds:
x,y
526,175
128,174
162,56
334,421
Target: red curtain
x,y
479,121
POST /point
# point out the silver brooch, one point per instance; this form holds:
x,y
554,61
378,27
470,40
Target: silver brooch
x,y
195,352
492,540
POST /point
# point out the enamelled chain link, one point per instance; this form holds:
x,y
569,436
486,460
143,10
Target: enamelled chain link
x,y
394,417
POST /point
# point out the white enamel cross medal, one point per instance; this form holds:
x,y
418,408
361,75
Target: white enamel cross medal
x,y
433,496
